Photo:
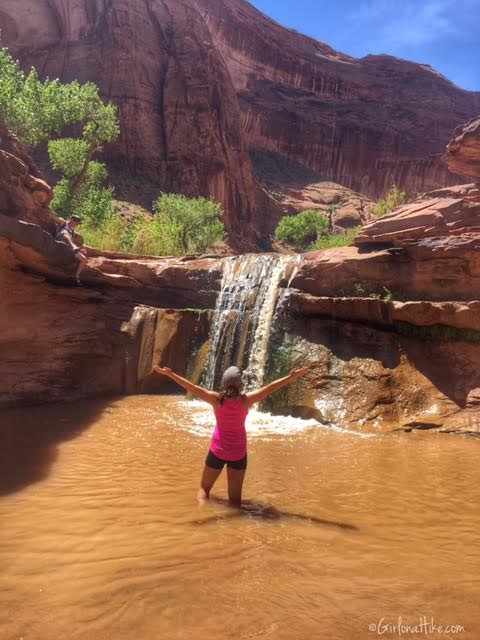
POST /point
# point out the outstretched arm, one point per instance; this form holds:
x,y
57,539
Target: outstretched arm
x,y
261,394
209,396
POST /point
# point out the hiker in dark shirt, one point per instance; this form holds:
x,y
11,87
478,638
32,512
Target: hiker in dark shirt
x,y
65,234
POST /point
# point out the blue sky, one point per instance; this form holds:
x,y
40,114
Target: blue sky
x,y
442,33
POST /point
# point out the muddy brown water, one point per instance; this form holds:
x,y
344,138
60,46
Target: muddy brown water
x,y
101,536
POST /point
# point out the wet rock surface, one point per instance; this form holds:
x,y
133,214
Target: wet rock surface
x,y
372,378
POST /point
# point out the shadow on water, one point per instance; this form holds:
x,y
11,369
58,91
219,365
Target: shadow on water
x,y
30,439
262,511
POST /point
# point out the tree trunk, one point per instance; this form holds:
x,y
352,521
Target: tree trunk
x,y
80,179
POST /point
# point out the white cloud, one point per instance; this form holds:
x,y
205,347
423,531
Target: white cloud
x,y
395,24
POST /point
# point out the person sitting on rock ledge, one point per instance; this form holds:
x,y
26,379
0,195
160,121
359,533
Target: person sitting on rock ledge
x,y
65,234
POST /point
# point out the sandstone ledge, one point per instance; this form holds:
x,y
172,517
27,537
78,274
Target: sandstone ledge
x,y
161,281
460,315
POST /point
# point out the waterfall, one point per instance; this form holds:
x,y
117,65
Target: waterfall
x,y
243,316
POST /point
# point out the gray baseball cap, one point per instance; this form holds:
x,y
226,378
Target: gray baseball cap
x,y
232,378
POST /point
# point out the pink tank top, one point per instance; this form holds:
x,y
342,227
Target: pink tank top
x,y
229,440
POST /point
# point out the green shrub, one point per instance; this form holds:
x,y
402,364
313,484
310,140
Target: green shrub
x,y
110,235
336,240
301,229
331,208
437,332
392,200
172,230
186,225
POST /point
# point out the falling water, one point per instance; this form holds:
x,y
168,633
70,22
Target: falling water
x,y
243,316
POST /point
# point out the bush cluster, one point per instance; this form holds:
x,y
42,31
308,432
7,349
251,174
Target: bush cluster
x,y
302,229
179,226
310,230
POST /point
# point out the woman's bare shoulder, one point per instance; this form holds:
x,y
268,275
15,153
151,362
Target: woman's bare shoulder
x,y
245,401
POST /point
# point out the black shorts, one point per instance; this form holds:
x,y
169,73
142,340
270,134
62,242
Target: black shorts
x,y
217,463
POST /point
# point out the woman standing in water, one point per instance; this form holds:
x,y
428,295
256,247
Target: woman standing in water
x,y
229,440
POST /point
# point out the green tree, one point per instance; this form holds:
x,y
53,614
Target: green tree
x,y
302,229
37,111
11,85
91,201
187,225
67,155
392,200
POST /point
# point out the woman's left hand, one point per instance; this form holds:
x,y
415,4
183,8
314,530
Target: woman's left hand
x,y
163,371
298,373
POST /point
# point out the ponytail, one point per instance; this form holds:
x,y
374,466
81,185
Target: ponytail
x,y
230,392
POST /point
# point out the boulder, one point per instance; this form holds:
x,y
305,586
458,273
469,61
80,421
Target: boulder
x,y
440,214
295,188
23,192
463,150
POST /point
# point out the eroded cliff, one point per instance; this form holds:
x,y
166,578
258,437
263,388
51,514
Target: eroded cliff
x,y
178,109
463,150
364,123
200,83
389,326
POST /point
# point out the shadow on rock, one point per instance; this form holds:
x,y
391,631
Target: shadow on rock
x,y
351,340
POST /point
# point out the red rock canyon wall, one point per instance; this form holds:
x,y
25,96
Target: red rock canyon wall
x,y
405,356
365,123
156,61
199,83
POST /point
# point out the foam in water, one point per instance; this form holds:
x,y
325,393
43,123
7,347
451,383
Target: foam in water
x,y
200,420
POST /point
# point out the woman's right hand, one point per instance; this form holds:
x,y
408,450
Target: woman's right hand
x,y
163,371
298,373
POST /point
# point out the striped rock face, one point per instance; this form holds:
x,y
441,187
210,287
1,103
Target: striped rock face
x,y
203,85
178,109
